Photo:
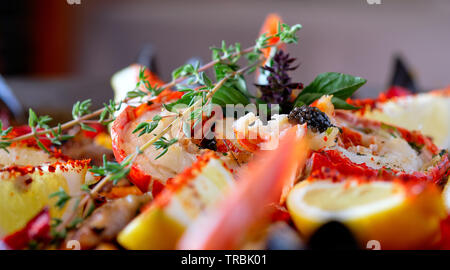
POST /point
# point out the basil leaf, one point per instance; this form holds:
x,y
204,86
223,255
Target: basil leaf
x,y
307,98
240,84
342,104
229,95
187,99
340,85
234,91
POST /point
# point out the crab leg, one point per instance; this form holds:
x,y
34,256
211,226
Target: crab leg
x,y
247,205
270,27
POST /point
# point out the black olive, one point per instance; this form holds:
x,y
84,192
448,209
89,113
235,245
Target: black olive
x,y
333,236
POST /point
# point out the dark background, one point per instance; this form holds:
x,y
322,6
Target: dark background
x,y
53,53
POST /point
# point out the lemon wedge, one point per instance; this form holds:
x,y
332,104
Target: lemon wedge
x,y
396,215
166,218
429,113
24,191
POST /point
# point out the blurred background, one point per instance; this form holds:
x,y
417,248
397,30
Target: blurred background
x,y
53,53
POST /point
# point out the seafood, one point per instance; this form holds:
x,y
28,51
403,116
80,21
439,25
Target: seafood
x,y
350,144
107,221
163,166
184,198
241,210
432,119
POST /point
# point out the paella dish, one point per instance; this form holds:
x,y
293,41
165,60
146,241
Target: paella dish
x,y
202,162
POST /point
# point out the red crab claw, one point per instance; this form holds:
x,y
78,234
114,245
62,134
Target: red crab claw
x,y
260,185
270,28
121,130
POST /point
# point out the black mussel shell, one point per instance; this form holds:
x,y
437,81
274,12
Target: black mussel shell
x,y
333,236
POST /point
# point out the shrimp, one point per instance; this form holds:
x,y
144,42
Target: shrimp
x,y
227,225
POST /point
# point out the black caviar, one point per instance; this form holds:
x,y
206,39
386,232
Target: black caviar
x,y
315,119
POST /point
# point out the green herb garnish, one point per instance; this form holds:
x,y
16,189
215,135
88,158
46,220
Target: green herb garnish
x,y
341,86
62,196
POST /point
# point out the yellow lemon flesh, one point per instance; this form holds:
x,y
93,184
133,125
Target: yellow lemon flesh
x,y
162,224
23,196
428,113
388,212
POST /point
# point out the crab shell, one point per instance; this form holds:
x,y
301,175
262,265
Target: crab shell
x,y
328,163
137,176
394,93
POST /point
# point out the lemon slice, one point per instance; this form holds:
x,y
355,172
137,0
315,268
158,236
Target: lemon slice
x,y
25,191
192,192
397,216
428,113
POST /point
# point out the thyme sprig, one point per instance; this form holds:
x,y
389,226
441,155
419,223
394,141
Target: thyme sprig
x,y
143,82
60,228
231,53
110,174
224,61
114,170
164,144
4,144
62,196
57,137
146,127
82,108
288,34
35,122
109,109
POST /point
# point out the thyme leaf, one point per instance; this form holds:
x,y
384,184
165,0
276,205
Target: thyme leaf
x,y
81,108
62,196
4,143
164,144
115,170
146,127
